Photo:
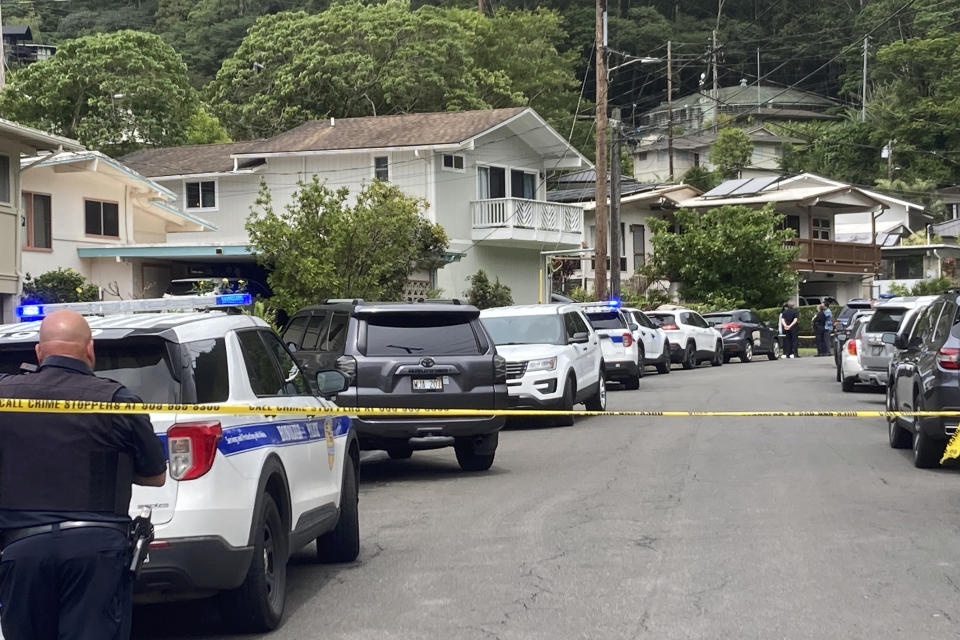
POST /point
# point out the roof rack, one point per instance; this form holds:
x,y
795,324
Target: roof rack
x,y
342,301
28,312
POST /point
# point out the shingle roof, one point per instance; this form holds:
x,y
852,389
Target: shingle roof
x,y
175,161
377,132
753,95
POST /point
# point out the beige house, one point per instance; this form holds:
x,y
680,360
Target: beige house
x,y
16,140
79,205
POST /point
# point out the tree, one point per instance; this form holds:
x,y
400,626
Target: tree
x,y
484,294
325,245
62,285
700,178
114,92
731,152
730,253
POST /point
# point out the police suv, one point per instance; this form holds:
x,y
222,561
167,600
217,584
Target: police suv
x,y
243,491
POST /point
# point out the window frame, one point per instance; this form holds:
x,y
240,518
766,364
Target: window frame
x,y
101,203
201,181
28,220
453,162
9,181
818,231
385,168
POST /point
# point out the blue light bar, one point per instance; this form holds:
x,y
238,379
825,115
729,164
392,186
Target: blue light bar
x,y
231,299
30,312
614,303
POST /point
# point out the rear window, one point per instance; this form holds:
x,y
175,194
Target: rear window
x,y
721,319
886,320
606,320
536,329
412,334
662,319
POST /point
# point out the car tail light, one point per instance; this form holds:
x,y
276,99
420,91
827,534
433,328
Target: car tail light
x,y
852,347
192,447
948,358
732,326
669,327
347,365
499,369
627,339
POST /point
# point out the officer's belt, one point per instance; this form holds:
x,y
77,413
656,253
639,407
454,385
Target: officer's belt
x,y
14,535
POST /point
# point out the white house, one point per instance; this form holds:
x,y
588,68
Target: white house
x,y
15,140
79,207
482,174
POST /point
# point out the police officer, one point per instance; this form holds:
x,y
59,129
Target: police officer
x,y
65,485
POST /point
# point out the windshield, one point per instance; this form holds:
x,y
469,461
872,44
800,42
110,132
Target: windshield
x,y
886,320
538,329
714,320
606,320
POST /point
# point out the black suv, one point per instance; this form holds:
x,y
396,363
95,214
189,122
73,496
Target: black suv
x,y
924,375
409,355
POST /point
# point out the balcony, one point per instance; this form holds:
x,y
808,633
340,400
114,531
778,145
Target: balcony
x,y
517,222
836,257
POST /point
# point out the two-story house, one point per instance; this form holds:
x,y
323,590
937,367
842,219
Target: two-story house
x,y
80,209
481,173
15,140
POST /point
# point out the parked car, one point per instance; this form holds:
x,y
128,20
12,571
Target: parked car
x,y
888,317
621,353
692,340
925,376
554,358
848,372
409,355
744,334
841,322
651,340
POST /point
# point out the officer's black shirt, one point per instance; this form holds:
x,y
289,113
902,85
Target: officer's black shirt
x,y
144,447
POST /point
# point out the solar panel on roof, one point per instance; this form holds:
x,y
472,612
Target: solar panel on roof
x,y
755,185
726,188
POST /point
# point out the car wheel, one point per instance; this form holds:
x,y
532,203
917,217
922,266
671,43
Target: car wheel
x,y
566,403
774,351
926,451
747,354
469,459
399,452
717,355
846,383
899,437
598,402
664,365
689,354
641,360
343,543
257,604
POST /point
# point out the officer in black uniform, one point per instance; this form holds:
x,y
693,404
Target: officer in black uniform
x,y
65,485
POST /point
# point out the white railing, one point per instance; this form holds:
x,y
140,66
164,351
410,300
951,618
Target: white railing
x,y
520,213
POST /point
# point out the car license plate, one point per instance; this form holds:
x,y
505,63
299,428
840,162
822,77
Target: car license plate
x,y
428,384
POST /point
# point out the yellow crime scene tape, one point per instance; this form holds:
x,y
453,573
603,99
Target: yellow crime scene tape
x,y
26,405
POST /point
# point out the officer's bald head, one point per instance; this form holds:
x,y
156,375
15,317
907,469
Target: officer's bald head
x,y
65,333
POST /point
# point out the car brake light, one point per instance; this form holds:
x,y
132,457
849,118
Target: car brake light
x,y
627,339
192,447
732,326
949,358
852,347
669,327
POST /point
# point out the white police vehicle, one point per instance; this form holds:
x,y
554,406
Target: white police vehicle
x,y
243,491
621,355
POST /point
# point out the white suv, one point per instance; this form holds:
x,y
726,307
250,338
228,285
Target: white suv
x,y
652,341
554,358
243,491
692,340
621,354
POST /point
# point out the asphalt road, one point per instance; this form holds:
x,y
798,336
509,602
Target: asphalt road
x,y
647,528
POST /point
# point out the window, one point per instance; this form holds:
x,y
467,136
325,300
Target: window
x,y
452,162
294,383
207,371
791,222
944,324
527,329
902,268
381,168
574,324
639,244
36,218
623,247
924,326
607,320
642,156
102,218
696,159
821,228
316,332
262,371
293,334
5,181
414,334
491,182
337,338
523,184
201,194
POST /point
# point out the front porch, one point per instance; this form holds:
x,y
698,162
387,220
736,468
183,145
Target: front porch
x,y
519,222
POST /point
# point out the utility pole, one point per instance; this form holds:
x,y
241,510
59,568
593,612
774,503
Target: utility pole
x,y
863,96
716,87
600,241
669,111
3,61
615,207
890,160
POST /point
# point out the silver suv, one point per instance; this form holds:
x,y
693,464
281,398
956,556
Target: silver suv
x,y
888,317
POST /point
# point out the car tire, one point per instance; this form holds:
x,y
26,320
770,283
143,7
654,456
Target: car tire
x,y
926,450
566,403
598,401
717,355
689,355
470,460
641,361
664,365
747,354
774,351
342,544
899,437
847,383
257,604
399,452
839,374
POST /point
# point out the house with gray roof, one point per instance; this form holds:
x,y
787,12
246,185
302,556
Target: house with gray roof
x,y
482,174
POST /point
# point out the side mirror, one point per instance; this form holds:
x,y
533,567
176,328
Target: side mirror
x,y
331,382
292,347
634,326
580,337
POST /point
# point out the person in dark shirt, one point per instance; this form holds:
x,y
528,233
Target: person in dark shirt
x,y
820,330
65,485
788,325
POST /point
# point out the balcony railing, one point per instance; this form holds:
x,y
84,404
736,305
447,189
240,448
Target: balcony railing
x,y
847,257
520,213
